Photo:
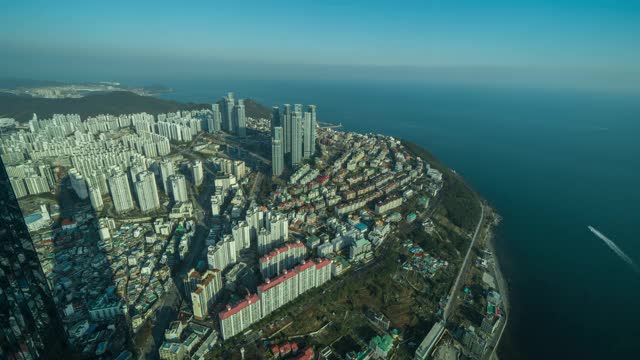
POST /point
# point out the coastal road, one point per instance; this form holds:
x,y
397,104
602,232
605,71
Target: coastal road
x,y
456,284
491,352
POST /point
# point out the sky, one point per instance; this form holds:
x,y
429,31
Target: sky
x,y
592,41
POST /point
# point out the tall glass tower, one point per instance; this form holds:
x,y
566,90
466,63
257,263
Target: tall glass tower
x,y
30,327
277,153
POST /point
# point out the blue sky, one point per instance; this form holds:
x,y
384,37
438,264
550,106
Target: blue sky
x,y
63,37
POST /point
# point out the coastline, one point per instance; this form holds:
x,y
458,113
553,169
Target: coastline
x,y
502,288
488,241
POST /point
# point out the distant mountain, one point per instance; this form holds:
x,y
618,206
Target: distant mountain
x,y
22,108
10,83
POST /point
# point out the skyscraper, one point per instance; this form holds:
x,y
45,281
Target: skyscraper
x,y
178,185
277,152
215,121
30,327
275,118
240,119
166,170
227,113
78,184
96,198
120,191
205,292
241,233
285,120
296,137
307,129
147,192
310,137
197,172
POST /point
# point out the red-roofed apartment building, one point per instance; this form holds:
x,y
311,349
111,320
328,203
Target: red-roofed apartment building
x,y
272,295
205,292
284,257
235,319
286,287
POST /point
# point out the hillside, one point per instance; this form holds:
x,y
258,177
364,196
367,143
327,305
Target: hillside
x,y
459,201
22,108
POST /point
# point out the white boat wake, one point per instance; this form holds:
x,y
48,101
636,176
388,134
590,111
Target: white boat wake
x,y
615,249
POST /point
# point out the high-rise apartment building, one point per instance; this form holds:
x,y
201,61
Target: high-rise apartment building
x,y
277,152
272,294
276,292
205,292
296,137
78,184
227,113
197,172
285,257
215,121
178,185
285,120
240,119
147,191
242,234
96,198
223,254
120,191
166,169
275,118
309,132
234,319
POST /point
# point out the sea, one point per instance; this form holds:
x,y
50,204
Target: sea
x,y
551,162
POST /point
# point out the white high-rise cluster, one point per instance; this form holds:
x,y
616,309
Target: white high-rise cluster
x,y
237,168
297,139
234,119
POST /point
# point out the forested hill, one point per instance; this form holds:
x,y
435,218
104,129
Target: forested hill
x,y
459,201
22,108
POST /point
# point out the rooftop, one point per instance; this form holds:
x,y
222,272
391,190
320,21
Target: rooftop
x,y
238,307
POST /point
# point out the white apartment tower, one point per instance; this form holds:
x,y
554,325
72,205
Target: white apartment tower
x,y
96,198
197,172
147,191
215,121
120,191
240,119
205,292
178,185
277,152
166,169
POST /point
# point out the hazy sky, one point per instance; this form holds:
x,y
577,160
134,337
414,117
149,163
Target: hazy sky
x,y
70,39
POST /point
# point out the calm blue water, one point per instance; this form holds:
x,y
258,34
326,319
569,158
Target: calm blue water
x,y
551,162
